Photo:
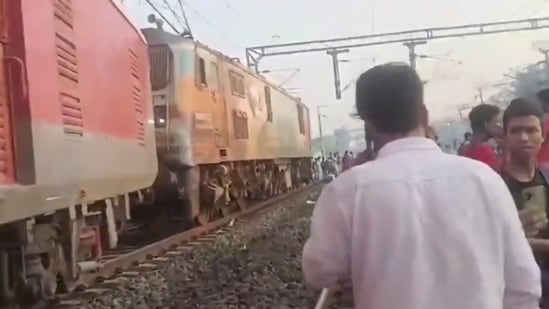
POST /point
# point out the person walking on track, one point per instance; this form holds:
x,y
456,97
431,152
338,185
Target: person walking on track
x,y
417,228
528,183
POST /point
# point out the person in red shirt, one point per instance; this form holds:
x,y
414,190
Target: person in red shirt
x,y
543,98
485,125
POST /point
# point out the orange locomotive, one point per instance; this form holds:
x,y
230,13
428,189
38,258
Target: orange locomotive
x,y
227,135
86,146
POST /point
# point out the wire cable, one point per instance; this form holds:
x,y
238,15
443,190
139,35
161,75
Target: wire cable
x,y
199,15
174,14
185,17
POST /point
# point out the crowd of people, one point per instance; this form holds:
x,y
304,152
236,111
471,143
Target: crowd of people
x,y
411,226
332,165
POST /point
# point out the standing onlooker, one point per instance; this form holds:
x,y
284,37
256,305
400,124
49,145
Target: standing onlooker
x,y
485,125
543,98
346,161
523,134
416,228
324,167
466,141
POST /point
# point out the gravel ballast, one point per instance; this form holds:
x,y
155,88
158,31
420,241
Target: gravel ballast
x,y
256,264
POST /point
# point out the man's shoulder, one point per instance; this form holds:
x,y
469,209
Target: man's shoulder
x,y
543,169
478,177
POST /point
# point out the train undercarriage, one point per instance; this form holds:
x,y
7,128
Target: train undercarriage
x,y
231,187
45,255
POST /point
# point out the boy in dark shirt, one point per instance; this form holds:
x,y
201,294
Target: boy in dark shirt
x,y
528,184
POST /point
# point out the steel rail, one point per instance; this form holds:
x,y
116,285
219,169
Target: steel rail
x,y
125,261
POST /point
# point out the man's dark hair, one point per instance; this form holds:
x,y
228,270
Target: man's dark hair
x,y
390,97
543,98
521,107
480,115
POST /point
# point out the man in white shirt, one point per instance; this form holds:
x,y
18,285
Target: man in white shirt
x,y
417,228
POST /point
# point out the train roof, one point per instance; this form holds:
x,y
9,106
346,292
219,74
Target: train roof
x,y
157,36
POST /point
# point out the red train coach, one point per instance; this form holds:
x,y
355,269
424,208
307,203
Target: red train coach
x,y
75,133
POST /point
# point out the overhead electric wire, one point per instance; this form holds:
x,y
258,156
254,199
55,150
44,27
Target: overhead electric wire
x,y
541,7
199,15
185,17
174,14
230,8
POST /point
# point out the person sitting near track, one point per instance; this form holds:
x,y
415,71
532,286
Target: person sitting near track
x,y
417,228
529,184
485,125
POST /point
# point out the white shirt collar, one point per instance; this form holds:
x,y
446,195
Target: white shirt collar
x,y
408,144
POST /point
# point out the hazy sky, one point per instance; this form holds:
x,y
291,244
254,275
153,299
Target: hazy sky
x,y
232,25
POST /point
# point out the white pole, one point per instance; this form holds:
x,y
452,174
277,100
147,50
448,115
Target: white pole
x,y
323,299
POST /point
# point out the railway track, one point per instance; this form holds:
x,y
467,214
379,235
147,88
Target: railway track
x,y
128,262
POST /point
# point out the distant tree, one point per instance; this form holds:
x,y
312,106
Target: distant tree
x,y
501,98
528,81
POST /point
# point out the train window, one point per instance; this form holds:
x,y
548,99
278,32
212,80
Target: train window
x,y
237,84
300,119
232,82
240,120
161,66
212,75
268,104
160,116
202,71
241,87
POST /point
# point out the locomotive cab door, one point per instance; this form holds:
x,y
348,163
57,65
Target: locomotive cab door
x,y
218,107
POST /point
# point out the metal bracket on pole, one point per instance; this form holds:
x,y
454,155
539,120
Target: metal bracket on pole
x,y
335,62
253,56
412,51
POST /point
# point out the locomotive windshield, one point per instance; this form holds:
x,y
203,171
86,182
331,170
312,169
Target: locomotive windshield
x,y
161,63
